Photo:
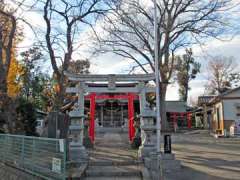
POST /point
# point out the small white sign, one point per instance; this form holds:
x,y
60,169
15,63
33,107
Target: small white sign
x,y
61,145
56,165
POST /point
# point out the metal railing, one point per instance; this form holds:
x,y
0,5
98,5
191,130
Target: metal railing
x,y
43,157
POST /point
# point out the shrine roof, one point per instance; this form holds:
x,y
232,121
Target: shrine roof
x,y
106,84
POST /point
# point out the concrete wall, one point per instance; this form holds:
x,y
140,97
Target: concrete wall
x,y
10,173
230,109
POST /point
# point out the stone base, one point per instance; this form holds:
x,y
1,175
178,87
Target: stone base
x,y
159,163
153,164
168,156
170,163
78,154
146,150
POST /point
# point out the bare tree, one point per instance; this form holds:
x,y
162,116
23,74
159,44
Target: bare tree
x,y
65,21
128,32
221,72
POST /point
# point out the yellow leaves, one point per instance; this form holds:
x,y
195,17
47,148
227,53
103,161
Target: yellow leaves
x,y
15,71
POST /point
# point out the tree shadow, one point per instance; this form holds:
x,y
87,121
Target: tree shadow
x,y
187,173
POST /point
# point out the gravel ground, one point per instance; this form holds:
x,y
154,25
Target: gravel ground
x,y
204,157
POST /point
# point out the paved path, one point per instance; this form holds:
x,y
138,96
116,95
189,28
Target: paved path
x,y
206,158
113,159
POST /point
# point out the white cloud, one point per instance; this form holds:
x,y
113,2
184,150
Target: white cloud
x,y
109,63
212,48
172,92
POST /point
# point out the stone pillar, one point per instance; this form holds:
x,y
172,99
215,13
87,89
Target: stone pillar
x,y
148,134
77,151
147,126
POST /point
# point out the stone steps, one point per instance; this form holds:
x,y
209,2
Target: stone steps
x,y
113,171
113,159
111,178
114,163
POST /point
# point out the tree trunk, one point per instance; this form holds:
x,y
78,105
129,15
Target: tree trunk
x,y
163,90
186,91
3,81
60,92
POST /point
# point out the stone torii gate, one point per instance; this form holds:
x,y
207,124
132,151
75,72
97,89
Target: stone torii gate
x,y
147,115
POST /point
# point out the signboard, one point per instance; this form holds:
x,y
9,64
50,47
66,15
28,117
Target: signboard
x,y
61,145
56,165
167,144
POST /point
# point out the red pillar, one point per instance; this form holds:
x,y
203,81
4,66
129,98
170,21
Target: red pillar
x,y
175,121
189,120
131,129
92,116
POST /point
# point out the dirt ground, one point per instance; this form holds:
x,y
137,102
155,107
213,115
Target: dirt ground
x,y
204,157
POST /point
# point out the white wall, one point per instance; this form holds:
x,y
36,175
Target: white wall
x,y
230,109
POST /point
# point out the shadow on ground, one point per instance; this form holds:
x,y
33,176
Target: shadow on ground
x,y
205,159
188,173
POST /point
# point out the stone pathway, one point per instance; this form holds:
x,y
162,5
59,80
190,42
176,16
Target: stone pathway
x,y
205,158
113,159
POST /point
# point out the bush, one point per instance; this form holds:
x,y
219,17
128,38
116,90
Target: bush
x,y
26,117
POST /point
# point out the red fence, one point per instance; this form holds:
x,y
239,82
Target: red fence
x,y
183,116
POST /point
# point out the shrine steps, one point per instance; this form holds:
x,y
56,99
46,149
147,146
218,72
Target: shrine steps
x,y
115,163
112,158
111,178
113,170
111,130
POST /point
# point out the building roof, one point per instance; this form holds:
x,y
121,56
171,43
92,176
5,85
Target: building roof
x,y
106,84
229,91
176,106
222,95
205,99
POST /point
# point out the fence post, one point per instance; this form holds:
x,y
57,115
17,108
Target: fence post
x,y
22,152
5,148
64,159
8,148
33,153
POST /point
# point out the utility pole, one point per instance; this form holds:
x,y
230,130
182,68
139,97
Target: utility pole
x,y
157,78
